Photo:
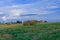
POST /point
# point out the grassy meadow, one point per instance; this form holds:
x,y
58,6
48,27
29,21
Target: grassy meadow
x,y
44,31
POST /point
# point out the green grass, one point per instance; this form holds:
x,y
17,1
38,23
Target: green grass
x,y
46,31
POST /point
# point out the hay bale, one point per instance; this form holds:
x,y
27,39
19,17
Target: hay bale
x,y
26,23
33,22
7,35
8,23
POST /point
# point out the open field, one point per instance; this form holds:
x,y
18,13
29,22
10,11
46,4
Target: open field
x,y
45,31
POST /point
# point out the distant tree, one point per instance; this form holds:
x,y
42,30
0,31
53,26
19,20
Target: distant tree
x,y
45,21
0,22
18,22
33,22
8,23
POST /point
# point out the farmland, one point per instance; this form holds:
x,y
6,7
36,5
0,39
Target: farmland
x,y
45,31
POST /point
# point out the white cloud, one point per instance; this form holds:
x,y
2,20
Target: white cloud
x,y
34,8
16,12
1,13
52,7
4,18
13,17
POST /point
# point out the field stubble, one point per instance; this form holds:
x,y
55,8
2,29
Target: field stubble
x,y
48,31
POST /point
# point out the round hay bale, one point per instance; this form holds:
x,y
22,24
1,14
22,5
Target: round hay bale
x,y
8,23
33,22
7,35
26,23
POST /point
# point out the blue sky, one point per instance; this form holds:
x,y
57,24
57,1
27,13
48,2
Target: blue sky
x,y
30,10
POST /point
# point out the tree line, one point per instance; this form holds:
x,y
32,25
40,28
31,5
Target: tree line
x,y
27,22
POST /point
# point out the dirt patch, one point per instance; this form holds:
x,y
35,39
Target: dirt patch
x,y
7,35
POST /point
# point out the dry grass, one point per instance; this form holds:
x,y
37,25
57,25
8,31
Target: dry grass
x,y
7,35
46,31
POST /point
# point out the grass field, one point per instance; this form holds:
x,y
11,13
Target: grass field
x,y
46,31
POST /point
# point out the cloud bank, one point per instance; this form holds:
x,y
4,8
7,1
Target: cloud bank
x,y
14,9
